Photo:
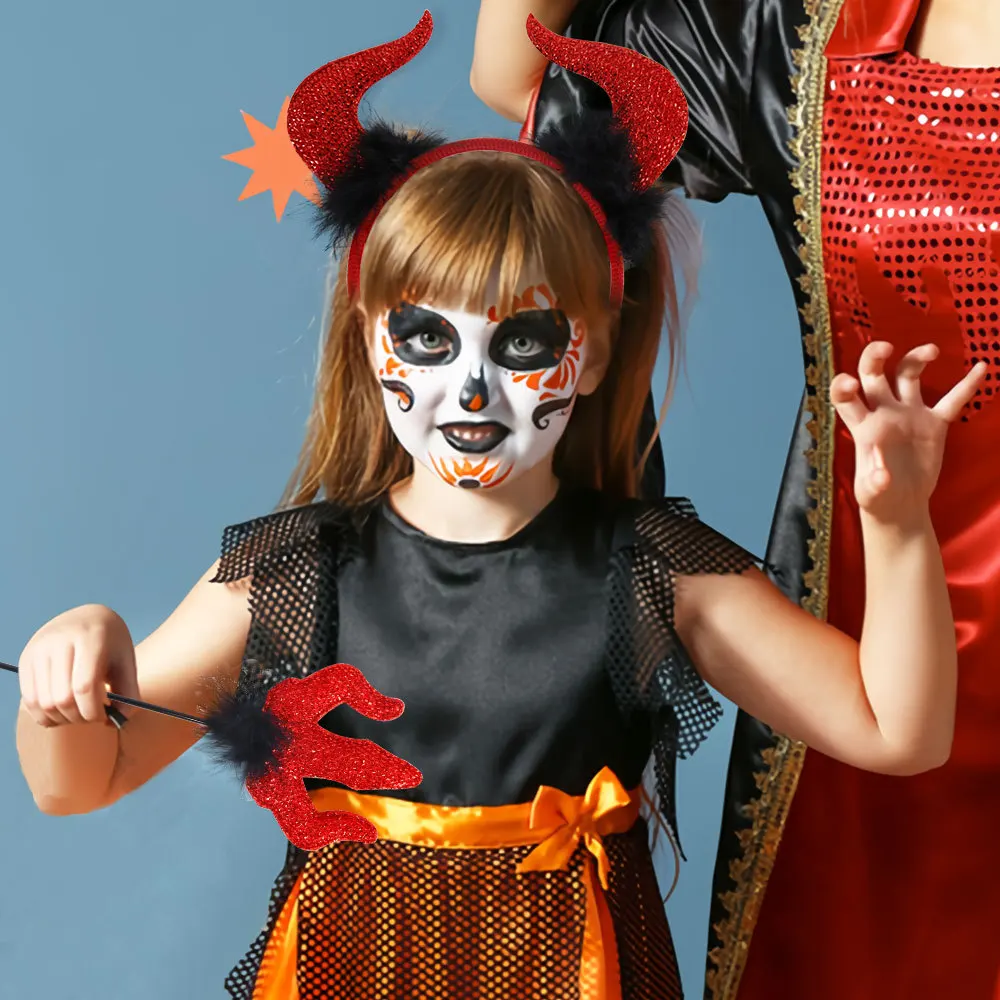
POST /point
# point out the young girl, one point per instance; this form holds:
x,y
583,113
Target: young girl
x,y
480,552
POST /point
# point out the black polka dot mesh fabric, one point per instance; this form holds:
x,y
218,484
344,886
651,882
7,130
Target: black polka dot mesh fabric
x,y
390,921
649,668
646,957
910,164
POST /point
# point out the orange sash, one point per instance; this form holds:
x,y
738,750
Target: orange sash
x,y
554,822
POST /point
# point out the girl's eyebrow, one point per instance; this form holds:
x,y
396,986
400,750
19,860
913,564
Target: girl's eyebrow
x,y
404,317
556,316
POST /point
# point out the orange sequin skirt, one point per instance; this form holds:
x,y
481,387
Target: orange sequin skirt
x,y
551,899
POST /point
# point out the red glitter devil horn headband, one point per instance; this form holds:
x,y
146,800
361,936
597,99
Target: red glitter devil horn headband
x,y
362,168
646,99
323,113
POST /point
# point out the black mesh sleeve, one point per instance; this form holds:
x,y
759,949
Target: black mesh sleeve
x,y
649,668
292,558
711,48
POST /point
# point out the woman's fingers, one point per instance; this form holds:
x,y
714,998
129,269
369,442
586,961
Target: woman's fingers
x,y
871,370
909,370
951,404
845,394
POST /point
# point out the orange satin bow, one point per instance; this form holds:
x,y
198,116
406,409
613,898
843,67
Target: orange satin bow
x,y
605,808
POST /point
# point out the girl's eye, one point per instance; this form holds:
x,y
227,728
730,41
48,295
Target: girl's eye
x,y
524,346
430,341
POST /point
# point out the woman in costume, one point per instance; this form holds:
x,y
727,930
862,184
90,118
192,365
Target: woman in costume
x,y
872,143
481,552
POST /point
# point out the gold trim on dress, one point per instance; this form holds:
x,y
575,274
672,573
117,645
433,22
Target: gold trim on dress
x,y
777,783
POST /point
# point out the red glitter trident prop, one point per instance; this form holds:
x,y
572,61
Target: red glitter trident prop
x,y
307,750
279,744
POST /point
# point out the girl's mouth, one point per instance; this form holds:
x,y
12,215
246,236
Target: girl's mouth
x,y
474,438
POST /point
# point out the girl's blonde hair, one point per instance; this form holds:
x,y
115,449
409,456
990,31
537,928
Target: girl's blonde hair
x,y
439,240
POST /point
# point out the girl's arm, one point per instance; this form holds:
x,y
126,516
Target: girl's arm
x,y
75,766
887,703
506,67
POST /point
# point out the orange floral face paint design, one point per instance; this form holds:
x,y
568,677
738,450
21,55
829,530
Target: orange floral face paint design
x,y
468,474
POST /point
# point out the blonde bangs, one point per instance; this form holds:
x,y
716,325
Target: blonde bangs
x,y
445,234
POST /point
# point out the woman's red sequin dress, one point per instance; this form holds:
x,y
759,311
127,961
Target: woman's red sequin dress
x,y
911,231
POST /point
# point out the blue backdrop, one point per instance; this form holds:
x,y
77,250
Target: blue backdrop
x,y
157,343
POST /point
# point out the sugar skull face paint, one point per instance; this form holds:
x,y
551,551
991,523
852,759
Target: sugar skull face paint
x,y
474,398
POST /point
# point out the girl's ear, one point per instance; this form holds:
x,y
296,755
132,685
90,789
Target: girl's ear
x,y
598,358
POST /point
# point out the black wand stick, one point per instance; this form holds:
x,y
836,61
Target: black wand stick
x,y
118,719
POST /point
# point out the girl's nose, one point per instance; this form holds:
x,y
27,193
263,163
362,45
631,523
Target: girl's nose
x,y
475,395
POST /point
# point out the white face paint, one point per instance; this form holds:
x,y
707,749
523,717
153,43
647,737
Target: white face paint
x,y
479,401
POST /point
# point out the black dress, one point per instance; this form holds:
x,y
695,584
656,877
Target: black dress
x,y
540,660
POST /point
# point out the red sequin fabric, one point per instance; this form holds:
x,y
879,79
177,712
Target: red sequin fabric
x,y
911,210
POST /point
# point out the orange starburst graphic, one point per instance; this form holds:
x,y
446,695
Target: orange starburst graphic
x,y
276,166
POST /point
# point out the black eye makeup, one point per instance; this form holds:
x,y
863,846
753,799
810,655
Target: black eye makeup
x,y
530,340
422,337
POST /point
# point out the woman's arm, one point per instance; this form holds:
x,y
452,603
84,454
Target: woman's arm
x,y
506,67
887,703
78,766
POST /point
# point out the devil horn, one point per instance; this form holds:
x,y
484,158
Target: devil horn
x,y
323,112
646,99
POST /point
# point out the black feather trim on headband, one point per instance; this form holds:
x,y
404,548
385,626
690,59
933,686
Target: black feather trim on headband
x,y
383,153
596,153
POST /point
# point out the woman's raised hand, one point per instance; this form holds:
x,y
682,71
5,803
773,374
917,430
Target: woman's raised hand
x,y
899,439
